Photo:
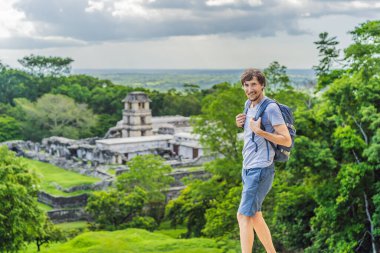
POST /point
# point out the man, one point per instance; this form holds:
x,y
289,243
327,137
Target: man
x,y
258,165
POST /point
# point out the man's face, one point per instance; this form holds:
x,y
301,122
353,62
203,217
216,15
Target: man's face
x,y
253,89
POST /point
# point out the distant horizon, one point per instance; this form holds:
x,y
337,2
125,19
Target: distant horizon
x,y
165,79
177,68
128,70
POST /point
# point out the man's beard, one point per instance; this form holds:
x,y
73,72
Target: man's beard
x,y
255,98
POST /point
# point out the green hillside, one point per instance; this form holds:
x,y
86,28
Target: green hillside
x,y
132,241
51,175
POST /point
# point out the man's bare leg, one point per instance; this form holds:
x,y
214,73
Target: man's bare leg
x,y
263,232
246,232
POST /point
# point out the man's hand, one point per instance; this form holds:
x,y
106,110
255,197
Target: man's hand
x,y
255,126
240,119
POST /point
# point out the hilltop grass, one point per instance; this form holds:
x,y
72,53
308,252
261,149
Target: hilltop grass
x,y
112,171
193,169
44,207
166,229
72,225
189,169
51,175
132,241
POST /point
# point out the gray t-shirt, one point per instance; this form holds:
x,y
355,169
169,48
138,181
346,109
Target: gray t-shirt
x,y
264,156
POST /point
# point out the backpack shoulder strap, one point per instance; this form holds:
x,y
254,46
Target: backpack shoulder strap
x,y
260,113
246,106
262,107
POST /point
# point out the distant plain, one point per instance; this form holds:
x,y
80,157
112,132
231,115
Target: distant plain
x,y
166,79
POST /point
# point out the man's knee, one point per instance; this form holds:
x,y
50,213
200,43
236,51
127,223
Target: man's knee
x,y
243,219
258,217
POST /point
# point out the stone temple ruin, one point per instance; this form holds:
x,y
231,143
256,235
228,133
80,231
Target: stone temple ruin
x,y
137,118
138,133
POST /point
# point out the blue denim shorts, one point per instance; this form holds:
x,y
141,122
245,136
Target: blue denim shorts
x,y
256,184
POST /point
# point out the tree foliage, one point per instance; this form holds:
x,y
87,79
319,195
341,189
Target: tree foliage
x,y
114,209
138,198
20,217
9,128
327,51
148,172
276,76
216,127
351,104
44,66
55,115
47,233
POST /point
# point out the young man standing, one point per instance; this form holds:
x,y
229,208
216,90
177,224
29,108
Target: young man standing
x,y
258,155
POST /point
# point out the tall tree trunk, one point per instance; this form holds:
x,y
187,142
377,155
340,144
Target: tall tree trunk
x,y
367,211
370,222
361,130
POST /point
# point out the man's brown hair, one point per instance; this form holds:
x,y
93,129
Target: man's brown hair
x,y
250,73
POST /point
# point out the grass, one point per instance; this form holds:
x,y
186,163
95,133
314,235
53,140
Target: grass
x,y
173,233
112,171
51,175
166,229
189,169
72,225
131,241
44,207
192,169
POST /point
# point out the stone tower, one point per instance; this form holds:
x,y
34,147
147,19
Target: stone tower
x,y
137,117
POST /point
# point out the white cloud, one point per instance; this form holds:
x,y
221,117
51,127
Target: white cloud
x,y
219,2
12,21
121,8
254,2
296,2
132,8
94,6
233,2
100,21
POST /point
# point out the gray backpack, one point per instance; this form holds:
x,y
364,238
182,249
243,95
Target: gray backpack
x,y
282,153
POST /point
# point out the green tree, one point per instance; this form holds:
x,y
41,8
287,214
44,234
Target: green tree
x,y
216,123
327,51
81,94
47,233
20,215
150,173
191,206
174,102
350,103
107,99
144,222
328,54
114,209
16,83
276,76
103,123
363,53
55,115
221,218
43,66
9,128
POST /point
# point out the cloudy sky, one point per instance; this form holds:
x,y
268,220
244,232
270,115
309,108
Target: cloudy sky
x,y
177,34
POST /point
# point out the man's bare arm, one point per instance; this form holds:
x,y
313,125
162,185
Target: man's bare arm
x,y
280,136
